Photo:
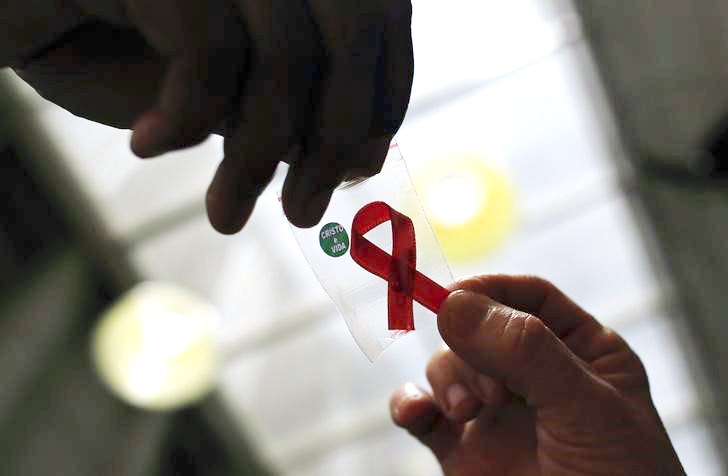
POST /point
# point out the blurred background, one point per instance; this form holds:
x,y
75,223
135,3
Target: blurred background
x,y
582,135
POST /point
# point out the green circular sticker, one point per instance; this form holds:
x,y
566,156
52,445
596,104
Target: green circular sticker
x,y
334,240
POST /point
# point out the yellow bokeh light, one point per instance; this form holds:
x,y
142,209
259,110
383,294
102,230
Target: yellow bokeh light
x,y
156,347
470,205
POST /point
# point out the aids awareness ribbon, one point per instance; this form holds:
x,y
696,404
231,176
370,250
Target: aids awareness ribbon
x,y
399,269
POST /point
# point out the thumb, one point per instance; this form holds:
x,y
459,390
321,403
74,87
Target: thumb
x,y
514,347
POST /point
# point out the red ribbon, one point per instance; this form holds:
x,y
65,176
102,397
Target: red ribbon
x,y
399,268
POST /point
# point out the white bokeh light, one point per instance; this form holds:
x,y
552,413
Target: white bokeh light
x,y
156,347
455,200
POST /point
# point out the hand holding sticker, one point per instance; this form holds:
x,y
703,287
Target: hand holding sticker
x,y
375,290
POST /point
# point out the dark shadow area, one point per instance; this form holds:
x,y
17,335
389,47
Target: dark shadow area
x,y
55,415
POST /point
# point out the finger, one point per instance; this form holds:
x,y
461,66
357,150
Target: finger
x,y
234,189
372,155
395,72
307,189
196,95
514,347
392,88
462,392
452,394
352,34
417,412
536,296
208,47
275,106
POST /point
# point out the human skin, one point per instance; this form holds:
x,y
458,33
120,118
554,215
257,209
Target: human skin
x,y
530,385
320,84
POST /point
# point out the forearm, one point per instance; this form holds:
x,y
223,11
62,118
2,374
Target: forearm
x,y
29,26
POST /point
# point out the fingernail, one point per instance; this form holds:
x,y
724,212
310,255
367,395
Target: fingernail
x,y
455,395
463,314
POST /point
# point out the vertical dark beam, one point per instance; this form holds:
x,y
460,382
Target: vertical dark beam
x,y
55,416
44,162
665,65
666,62
205,440
205,433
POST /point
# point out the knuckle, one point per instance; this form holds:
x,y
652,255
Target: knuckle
x,y
522,335
632,362
638,367
470,283
618,358
612,340
541,283
614,343
534,333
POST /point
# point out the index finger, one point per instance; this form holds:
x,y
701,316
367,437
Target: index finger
x,y
208,49
357,113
